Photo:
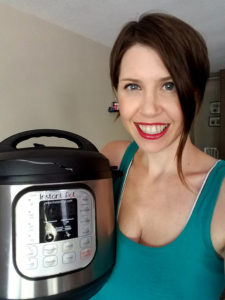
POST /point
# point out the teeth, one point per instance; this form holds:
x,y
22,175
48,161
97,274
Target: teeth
x,y
152,129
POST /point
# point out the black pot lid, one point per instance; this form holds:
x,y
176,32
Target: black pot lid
x,y
50,164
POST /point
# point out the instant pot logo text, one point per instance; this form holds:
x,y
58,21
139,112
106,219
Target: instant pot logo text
x,y
57,195
50,196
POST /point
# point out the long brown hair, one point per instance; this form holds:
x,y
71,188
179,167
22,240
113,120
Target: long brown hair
x,y
184,53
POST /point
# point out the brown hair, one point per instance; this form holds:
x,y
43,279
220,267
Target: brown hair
x,y
184,53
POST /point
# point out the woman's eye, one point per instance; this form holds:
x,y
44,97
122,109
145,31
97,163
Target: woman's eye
x,y
169,86
132,87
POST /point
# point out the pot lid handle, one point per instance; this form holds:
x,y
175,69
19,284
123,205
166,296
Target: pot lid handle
x,y
10,143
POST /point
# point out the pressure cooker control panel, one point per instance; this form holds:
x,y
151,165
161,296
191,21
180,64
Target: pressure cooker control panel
x,y
54,231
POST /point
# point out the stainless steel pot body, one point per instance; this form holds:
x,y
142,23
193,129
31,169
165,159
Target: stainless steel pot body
x,y
15,285
56,218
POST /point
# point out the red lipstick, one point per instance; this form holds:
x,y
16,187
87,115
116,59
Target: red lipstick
x,y
152,131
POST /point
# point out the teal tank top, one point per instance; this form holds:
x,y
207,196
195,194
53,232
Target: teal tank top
x,y
186,269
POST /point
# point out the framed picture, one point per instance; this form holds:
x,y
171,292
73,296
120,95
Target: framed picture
x,y
214,121
214,107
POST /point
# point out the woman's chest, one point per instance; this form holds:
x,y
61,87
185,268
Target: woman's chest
x,y
154,213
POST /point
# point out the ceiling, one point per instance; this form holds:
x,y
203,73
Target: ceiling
x,y
101,20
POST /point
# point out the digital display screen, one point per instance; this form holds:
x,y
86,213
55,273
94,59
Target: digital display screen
x,y
58,220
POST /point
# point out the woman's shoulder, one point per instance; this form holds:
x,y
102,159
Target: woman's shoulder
x,y
115,150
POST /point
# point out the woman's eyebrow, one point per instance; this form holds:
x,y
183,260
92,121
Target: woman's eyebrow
x,y
130,79
161,79
165,78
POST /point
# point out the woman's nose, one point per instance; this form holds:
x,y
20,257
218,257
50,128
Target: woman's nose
x,y
150,104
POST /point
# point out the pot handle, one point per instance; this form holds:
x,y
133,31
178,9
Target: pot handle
x,y
10,143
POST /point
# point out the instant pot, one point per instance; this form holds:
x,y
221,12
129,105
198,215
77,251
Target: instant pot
x,y
57,238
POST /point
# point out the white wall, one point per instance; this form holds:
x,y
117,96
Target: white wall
x,y
53,78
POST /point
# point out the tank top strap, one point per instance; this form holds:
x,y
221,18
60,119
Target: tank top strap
x,y
204,209
128,156
211,187
124,166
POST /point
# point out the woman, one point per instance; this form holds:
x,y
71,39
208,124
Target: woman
x,y
171,200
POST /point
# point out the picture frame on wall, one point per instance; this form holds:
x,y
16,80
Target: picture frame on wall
x,y
214,107
214,121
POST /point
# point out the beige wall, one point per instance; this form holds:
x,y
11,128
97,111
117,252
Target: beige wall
x,y
53,78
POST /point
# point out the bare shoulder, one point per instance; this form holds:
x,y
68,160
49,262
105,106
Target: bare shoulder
x,y
114,151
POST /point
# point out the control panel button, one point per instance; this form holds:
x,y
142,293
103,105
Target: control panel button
x,y
85,219
69,258
85,208
85,230
50,261
85,200
85,242
68,246
50,249
85,254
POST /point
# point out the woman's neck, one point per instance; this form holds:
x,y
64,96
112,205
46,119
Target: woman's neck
x,y
166,161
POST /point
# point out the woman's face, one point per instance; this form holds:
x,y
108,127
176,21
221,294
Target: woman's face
x,y
149,105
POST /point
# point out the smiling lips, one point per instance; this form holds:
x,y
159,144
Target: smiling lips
x,y
152,131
